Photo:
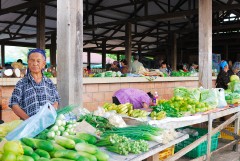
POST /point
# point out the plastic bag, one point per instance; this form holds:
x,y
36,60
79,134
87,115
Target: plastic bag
x,y
221,98
209,96
35,124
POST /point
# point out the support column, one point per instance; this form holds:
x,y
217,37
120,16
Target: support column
x,y
3,55
205,43
41,25
226,52
174,52
70,52
139,50
118,57
128,43
88,58
53,49
104,54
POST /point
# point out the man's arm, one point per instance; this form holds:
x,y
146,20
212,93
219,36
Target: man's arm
x,y
19,112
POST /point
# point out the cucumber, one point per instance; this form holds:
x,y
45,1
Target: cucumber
x,y
87,155
92,149
35,156
68,154
24,158
75,139
101,156
38,144
87,137
65,142
43,159
42,153
61,159
27,150
81,158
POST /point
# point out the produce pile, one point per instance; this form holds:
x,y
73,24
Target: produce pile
x,y
180,73
60,142
178,107
123,145
109,74
232,94
125,109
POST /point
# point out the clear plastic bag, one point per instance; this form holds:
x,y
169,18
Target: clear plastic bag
x,y
35,124
221,98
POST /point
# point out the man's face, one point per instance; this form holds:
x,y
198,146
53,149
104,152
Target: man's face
x,y
36,62
164,65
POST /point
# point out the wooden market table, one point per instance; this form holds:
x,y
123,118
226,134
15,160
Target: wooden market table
x,y
210,117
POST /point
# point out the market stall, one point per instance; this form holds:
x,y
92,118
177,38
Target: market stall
x,y
96,91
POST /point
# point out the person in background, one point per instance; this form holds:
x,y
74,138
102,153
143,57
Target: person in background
x,y
89,69
124,67
135,66
114,66
185,68
20,61
164,68
34,90
137,97
235,69
193,68
223,77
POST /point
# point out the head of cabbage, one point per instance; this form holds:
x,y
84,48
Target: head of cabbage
x,y
234,78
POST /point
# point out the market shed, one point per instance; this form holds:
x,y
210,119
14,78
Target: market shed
x,y
163,29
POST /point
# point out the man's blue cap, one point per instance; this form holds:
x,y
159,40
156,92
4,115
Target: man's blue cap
x,y
37,50
223,64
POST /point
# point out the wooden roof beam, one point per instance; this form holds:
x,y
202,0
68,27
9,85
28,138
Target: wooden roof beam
x,y
31,4
164,17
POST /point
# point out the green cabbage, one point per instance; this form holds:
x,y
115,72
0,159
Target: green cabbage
x,y
234,86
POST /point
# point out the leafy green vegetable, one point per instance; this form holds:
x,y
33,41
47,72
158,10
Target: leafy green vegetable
x,y
98,122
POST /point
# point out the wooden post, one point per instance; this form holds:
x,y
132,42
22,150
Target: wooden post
x,y
41,25
104,54
209,137
174,52
53,49
236,131
139,50
205,43
88,58
3,55
70,51
128,43
118,57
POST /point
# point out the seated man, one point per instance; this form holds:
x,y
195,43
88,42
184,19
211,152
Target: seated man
x,y
137,97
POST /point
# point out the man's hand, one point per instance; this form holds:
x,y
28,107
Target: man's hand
x,y
55,105
19,112
145,105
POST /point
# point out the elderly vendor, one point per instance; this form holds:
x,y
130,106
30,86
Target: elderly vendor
x,y
34,90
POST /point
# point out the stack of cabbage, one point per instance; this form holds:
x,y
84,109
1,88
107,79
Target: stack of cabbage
x,y
232,95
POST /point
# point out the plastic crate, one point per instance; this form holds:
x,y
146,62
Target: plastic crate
x,y
226,136
201,149
166,153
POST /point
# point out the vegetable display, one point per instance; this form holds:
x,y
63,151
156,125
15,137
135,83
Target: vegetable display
x,y
98,122
143,132
125,109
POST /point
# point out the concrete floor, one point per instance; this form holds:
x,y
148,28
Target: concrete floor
x,y
227,155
